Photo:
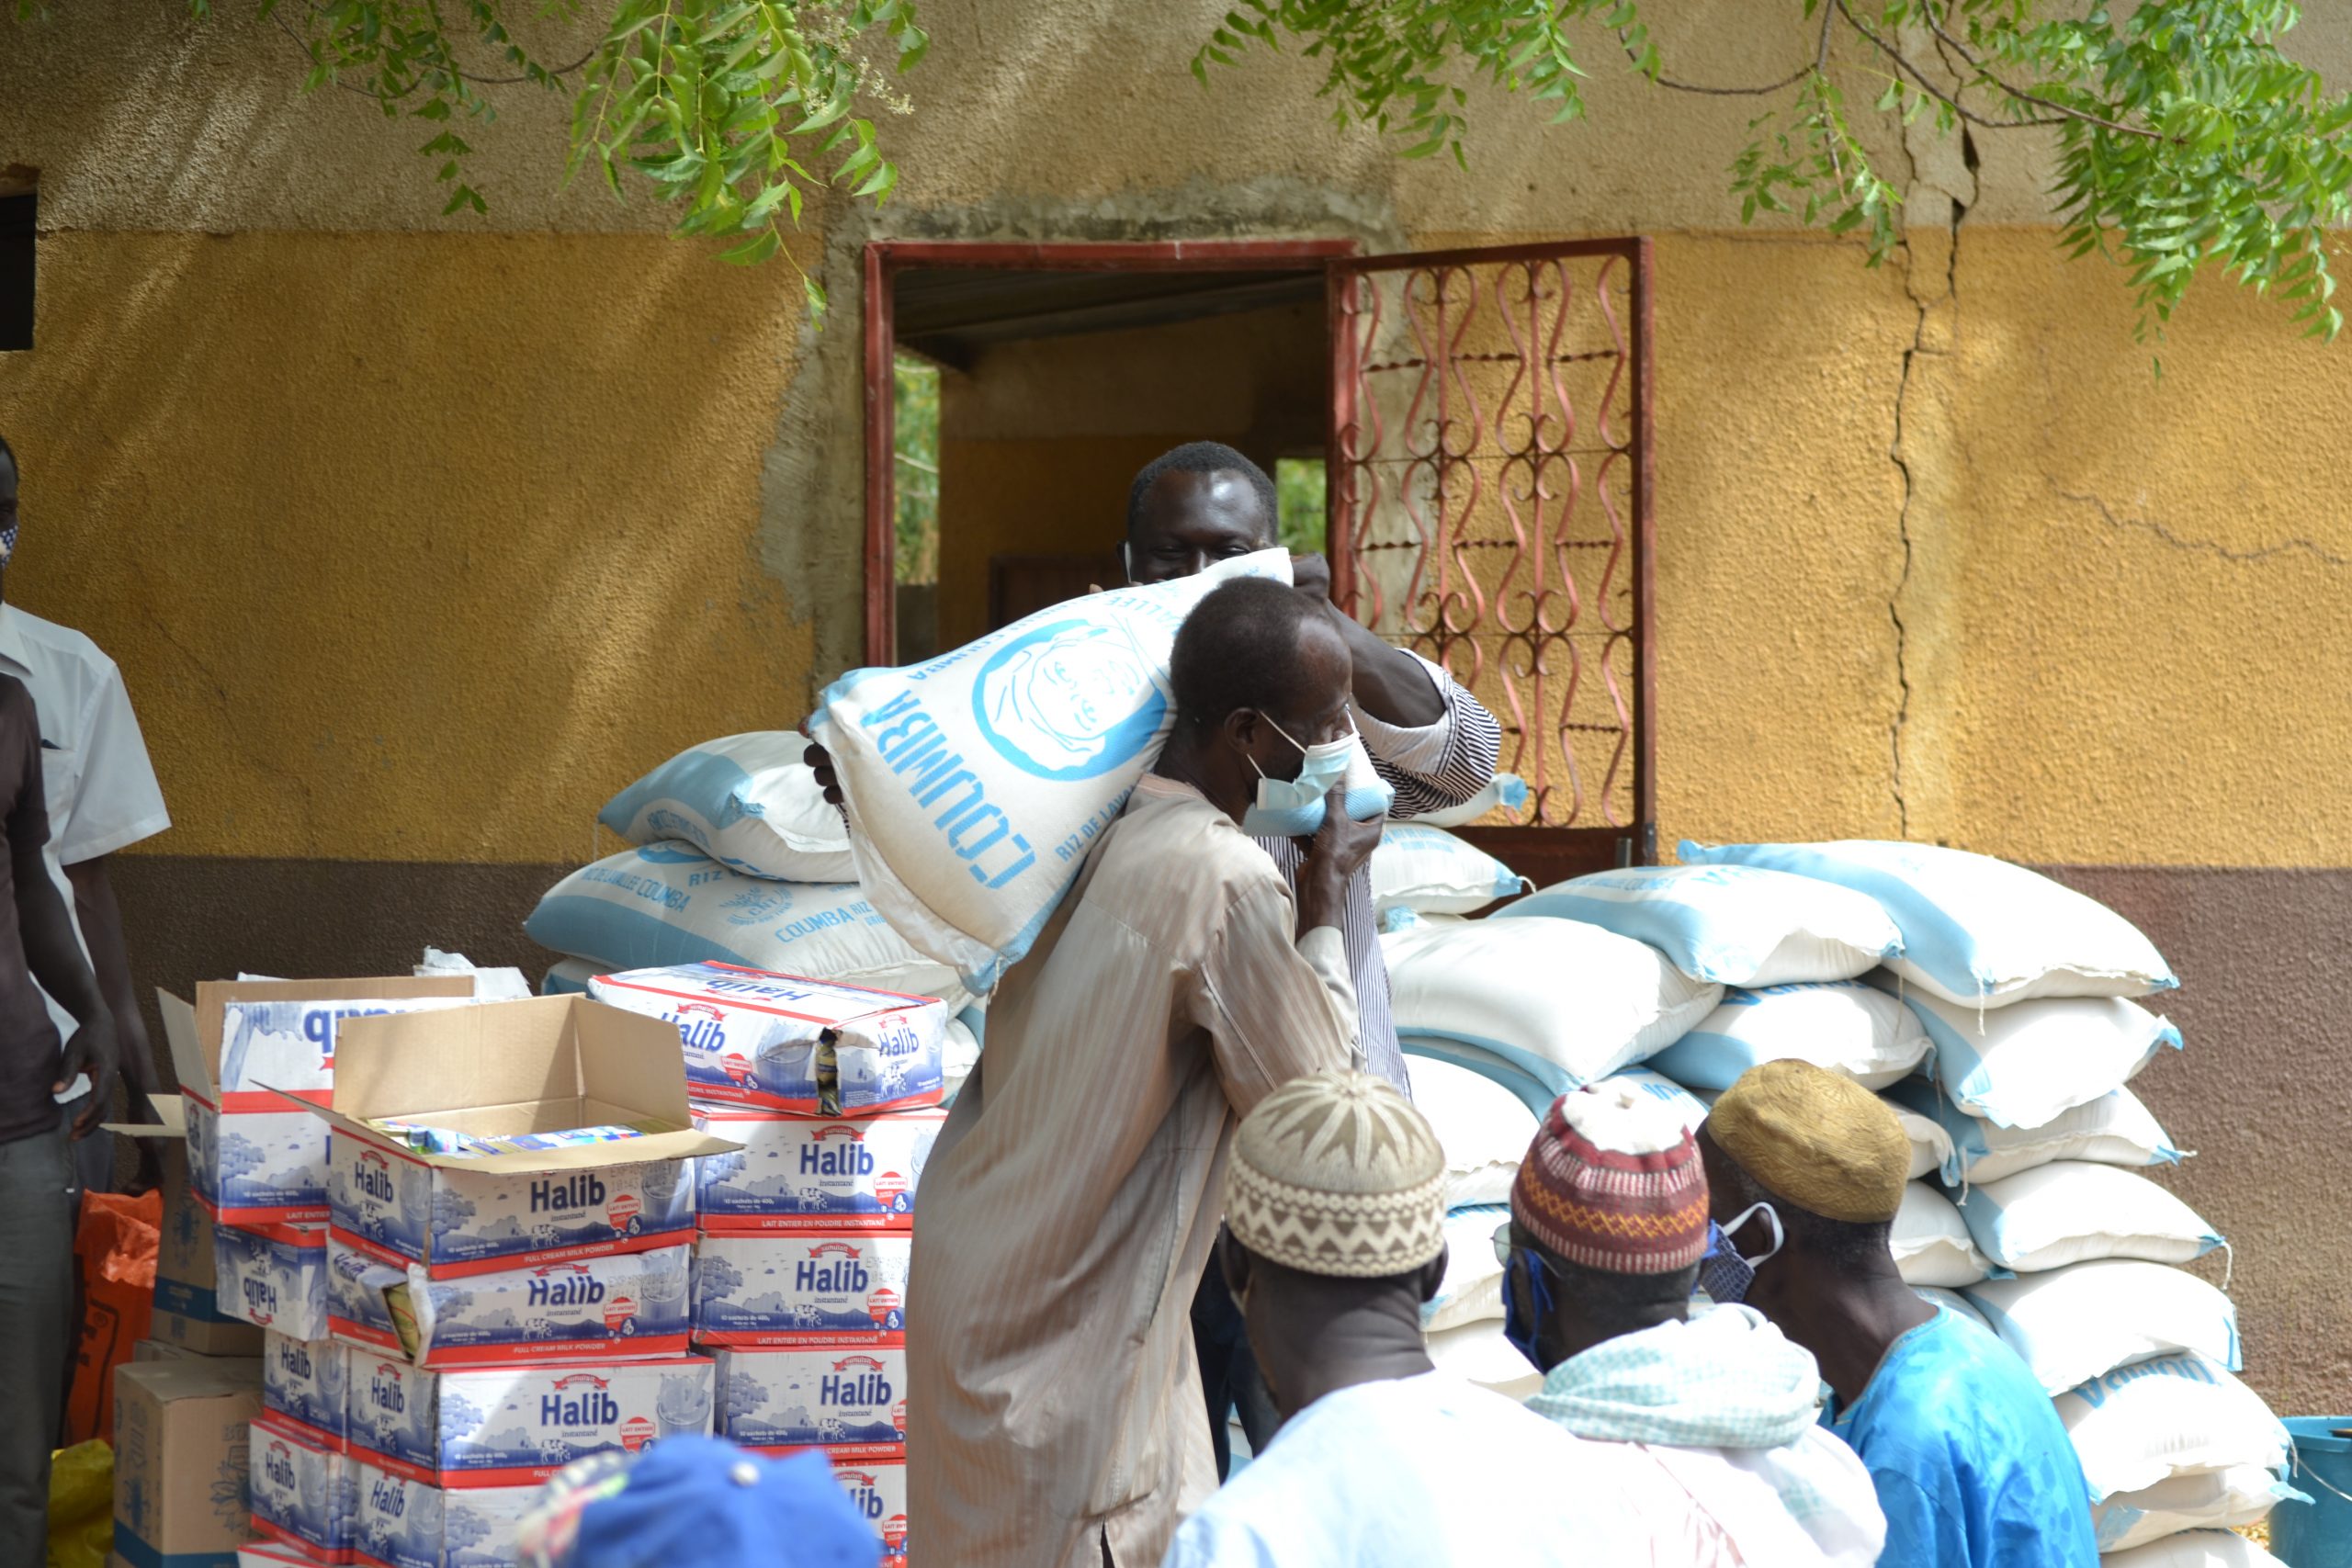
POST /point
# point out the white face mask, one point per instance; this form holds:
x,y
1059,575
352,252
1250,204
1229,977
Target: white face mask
x,y
1293,808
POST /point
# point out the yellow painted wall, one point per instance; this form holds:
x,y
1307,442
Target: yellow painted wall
x,y
410,547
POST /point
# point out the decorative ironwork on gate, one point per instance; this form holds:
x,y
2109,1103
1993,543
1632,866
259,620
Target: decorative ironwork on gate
x,y
1490,479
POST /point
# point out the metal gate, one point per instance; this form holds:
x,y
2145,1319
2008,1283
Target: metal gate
x,y
1490,506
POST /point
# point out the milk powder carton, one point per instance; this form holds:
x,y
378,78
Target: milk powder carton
x,y
241,1049
801,1287
559,1062
302,1382
782,1042
507,1426
302,1491
632,1305
406,1523
275,1277
802,1173
878,1489
850,1402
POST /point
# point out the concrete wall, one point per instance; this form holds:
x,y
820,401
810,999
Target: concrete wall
x,y
417,536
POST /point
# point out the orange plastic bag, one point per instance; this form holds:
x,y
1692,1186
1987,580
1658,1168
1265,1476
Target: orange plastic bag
x,y
114,1258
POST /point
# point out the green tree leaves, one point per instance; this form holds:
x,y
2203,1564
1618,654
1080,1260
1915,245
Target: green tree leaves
x,y
2186,141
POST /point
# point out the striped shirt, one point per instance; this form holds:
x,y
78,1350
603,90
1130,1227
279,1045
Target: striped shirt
x,y
1432,768
1052,1403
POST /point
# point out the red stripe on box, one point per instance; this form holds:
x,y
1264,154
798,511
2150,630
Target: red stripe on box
x,y
760,1224
804,1339
641,1350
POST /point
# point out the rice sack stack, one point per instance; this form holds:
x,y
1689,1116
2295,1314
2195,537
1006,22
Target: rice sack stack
x,y
2031,998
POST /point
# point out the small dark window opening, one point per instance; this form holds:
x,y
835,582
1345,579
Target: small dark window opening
x,y
16,213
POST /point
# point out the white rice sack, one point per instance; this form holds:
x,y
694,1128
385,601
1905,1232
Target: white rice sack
x,y
2173,1415
1429,870
664,904
2071,1210
1477,1352
1507,791
1566,1002
1689,1109
2114,1129
2028,1065
1843,1025
1930,1145
1473,1289
2223,1499
1931,1241
2196,1549
1937,1295
2083,1321
976,781
1975,930
747,801
1733,924
1483,1127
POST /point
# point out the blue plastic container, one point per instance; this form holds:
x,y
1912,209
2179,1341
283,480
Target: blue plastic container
x,y
2317,1534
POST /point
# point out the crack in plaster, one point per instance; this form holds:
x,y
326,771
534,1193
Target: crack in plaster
x,y
2204,547
1927,304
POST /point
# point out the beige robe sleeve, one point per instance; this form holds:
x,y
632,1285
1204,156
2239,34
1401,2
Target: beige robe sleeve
x,y
1277,1006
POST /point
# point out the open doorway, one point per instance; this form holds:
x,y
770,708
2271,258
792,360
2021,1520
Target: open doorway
x,y
1027,397
1467,434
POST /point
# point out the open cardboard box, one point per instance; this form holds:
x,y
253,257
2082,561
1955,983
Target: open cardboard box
x,y
500,1068
188,1316
253,1160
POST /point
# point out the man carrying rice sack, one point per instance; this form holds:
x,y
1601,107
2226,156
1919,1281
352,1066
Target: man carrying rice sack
x,y
1806,1171
1054,1406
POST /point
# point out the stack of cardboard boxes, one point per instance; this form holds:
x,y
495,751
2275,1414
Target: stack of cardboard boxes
x,y
804,1235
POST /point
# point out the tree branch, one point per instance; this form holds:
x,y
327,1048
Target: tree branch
x,y
1902,64
2021,96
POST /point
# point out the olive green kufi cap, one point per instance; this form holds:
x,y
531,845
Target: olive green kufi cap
x,y
1820,1141
1337,1174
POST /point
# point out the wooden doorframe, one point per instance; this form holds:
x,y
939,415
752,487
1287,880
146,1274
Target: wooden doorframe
x,y
885,258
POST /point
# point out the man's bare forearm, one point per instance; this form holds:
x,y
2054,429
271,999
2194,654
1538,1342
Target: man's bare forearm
x,y
101,921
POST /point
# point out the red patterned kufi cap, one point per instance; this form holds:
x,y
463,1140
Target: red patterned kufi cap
x,y
1612,1181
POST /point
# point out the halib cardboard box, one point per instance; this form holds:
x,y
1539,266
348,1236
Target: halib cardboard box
x,y
304,1492
799,1173
187,1315
244,1052
801,1287
407,1523
849,1402
500,1069
513,1425
787,1042
303,1384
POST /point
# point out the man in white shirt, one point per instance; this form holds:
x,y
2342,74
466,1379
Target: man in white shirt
x,y
1335,1210
102,797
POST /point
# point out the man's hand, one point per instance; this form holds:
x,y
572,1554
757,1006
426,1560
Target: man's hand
x,y
1337,851
820,758
92,1050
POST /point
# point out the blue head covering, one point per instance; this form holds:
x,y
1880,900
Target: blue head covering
x,y
705,1502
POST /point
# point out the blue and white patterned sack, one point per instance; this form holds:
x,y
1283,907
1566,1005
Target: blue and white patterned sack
x,y
1844,1025
2027,1064
1736,925
2152,1421
1430,871
747,801
664,904
2114,1129
2069,1211
1976,931
2081,1322
976,781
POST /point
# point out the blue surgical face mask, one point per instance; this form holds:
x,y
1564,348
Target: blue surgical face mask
x,y
1519,1328
1723,1274
1293,808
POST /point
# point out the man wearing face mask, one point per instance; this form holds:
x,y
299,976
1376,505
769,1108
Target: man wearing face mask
x,y
1070,1201
1608,1236
1971,1465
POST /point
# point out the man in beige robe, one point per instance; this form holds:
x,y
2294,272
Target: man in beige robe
x,y
1054,1404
